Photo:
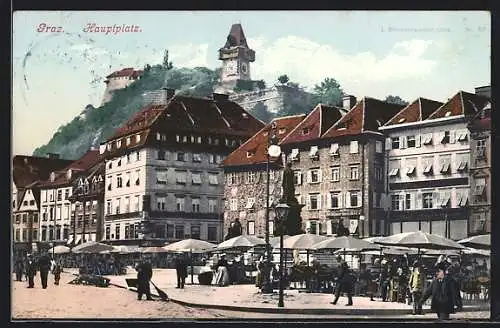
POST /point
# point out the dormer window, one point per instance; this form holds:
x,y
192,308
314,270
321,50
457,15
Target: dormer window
x,y
177,138
108,146
128,141
305,131
68,174
401,120
334,149
282,131
448,113
158,136
137,138
52,177
313,153
295,154
251,153
118,143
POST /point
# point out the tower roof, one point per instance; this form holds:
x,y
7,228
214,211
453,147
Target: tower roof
x,y
236,37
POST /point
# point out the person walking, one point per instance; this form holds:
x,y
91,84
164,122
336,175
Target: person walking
x,y
44,267
344,284
57,269
144,275
181,270
19,267
442,292
30,271
416,285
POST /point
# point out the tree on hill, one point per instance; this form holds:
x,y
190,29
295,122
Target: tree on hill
x,y
283,79
166,63
396,100
328,92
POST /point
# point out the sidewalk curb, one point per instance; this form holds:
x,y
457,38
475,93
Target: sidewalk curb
x,y
320,311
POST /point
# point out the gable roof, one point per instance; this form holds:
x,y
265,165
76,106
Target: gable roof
x,y
29,169
462,103
87,161
367,115
257,145
187,114
126,72
236,37
316,123
417,111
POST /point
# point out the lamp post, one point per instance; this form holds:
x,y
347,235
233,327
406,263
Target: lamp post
x,y
281,215
273,150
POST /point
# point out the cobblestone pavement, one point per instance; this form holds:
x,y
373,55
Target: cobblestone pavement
x,y
87,302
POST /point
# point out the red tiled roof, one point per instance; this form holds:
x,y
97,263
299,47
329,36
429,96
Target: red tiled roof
x,y
316,123
367,115
140,120
463,103
87,161
29,169
189,114
418,110
236,33
129,71
257,145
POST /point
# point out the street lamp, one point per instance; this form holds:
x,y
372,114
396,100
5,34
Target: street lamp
x,y
273,150
281,215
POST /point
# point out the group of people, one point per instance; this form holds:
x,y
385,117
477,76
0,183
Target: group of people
x,y
444,290
43,263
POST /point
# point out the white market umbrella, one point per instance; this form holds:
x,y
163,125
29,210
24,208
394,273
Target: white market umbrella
x,y
481,241
190,245
303,241
346,243
153,249
240,242
92,247
59,249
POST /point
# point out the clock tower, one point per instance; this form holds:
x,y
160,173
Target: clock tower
x,y
236,57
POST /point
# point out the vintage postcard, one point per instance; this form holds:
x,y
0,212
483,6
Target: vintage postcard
x,y
251,165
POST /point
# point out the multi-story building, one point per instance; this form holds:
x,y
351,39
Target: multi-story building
x,y
56,207
480,169
427,150
163,172
26,174
87,199
338,161
245,190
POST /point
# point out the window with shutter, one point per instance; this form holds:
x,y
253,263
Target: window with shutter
x,y
419,202
340,200
388,143
320,197
309,177
436,199
347,199
452,136
334,149
329,200
427,139
320,178
402,142
417,140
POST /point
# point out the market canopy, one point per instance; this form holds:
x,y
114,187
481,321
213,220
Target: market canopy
x,y
92,247
240,242
346,243
153,249
419,239
59,249
275,241
303,241
481,241
189,245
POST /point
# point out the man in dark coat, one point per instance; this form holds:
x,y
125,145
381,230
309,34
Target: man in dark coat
x,y
30,271
443,294
181,270
19,266
344,284
144,275
44,267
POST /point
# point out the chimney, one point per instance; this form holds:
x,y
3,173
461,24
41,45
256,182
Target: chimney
x,y
484,91
170,93
220,97
53,155
348,102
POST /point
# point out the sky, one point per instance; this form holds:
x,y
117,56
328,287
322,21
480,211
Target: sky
x,y
56,73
